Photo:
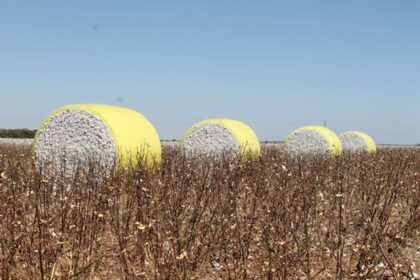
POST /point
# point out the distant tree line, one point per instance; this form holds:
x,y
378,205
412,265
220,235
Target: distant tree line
x,y
17,133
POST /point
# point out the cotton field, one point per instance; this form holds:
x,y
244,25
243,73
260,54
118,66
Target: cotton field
x,y
216,205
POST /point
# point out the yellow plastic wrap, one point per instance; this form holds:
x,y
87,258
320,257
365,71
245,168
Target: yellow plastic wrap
x,y
371,145
332,139
132,133
249,144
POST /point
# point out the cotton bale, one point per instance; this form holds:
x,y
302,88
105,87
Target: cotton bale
x,y
357,142
313,140
218,138
113,137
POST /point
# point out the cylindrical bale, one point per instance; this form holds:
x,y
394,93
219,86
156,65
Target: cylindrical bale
x,y
313,140
217,138
357,142
73,136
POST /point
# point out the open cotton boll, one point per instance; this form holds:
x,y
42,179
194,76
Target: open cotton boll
x,y
357,142
112,137
313,140
218,138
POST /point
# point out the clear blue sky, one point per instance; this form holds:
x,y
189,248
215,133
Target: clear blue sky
x,y
276,65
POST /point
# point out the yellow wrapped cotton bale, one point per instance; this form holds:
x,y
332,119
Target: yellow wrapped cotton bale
x,y
313,140
216,138
114,137
357,142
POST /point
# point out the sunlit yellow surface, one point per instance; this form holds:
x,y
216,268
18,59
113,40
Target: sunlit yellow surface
x,y
133,135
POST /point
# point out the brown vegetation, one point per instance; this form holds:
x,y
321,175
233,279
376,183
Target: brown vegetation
x,y
355,217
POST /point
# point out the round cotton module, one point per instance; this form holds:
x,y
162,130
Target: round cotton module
x,y
217,138
313,140
357,142
73,136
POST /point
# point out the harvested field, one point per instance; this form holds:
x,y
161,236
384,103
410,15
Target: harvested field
x,y
16,142
351,217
